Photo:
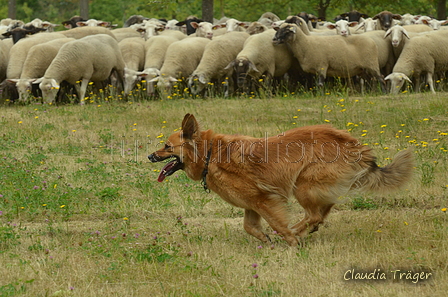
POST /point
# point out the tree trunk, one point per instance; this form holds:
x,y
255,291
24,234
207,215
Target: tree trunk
x,y
441,9
207,10
84,9
322,9
12,10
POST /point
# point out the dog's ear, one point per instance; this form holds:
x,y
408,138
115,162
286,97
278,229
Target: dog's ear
x,y
190,127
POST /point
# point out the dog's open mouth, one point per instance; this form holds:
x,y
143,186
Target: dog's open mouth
x,y
171,167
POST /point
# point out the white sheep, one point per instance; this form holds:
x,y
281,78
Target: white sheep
x,y
203,29
19,51
181,59
92,58
155,49
256,28
342,27
171,25
399,35
386,56
80,32
5,47
234,25
335,56
38,59
423,54
367,25
94,23
149,28
133,52
122,33
260,57
217,55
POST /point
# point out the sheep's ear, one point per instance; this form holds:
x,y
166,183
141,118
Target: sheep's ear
x,y
155,79
172,79
38,80
352,24
141,74
406,78
13,80
194,25
360,26
231,64
396,16
389,77
405,33
388,32
293,29
252,66
201,79
331,26
215,27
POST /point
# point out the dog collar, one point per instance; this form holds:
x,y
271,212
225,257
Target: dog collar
x,y
205,172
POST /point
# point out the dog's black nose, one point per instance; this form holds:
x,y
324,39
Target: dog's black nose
x,y
152,158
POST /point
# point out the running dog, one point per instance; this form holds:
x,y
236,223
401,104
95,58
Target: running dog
x,y
315,164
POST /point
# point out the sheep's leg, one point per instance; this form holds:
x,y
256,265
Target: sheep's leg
x,y
83,89
430,82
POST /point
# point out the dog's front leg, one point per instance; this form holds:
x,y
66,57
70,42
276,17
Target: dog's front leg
x,y
252,225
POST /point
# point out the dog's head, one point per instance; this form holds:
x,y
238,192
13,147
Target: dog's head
x,y
181,149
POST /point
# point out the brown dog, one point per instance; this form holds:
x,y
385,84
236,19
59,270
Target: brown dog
x,y
315,164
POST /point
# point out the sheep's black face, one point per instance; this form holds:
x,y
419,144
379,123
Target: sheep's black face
x,y
241,70
285,33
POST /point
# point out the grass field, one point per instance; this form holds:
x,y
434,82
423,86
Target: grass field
x,y
82,214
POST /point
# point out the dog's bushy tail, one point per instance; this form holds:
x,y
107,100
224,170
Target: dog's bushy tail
x,y
391,177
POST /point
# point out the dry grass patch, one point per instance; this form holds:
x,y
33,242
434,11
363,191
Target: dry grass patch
x,y
83,215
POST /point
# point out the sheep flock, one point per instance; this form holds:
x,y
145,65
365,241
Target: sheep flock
x,y
152,58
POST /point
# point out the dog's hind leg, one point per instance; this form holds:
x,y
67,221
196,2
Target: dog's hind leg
x,y
275,214
315,216
252,225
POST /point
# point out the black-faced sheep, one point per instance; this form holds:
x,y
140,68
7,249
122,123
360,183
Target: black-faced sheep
x,y
335,56
423,54
386,19
92,58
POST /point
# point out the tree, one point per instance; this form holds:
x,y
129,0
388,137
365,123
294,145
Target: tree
x,y
12,9
84,9
441,9
207,10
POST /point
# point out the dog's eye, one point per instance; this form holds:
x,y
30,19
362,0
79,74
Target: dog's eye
x,y
168,147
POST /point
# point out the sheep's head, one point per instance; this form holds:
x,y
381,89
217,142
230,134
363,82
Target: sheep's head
x,y
285,33
397,81
148,74
197,83
49,87
242,68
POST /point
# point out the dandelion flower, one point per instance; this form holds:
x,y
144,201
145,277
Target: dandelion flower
x,y
443,209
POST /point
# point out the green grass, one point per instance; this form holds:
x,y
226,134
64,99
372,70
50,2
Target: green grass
x,y
82,213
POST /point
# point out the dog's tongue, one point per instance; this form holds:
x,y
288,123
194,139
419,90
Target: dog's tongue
x,y
164,170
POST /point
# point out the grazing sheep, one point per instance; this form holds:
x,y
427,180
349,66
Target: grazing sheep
x,y
181,59
92,58
80,32
19,51
38,59
335,56
260,57
5,47
155,49
217,55
423,54
133,52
